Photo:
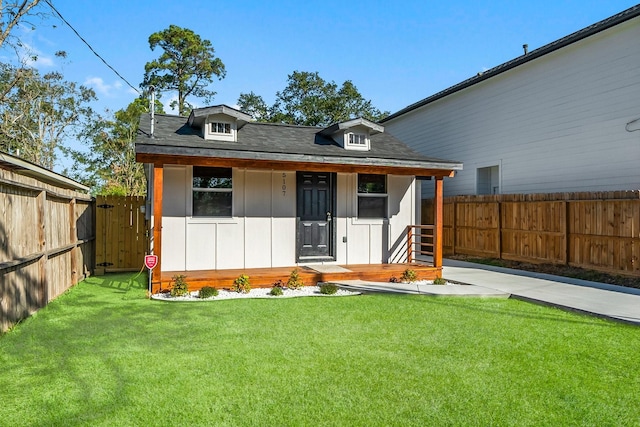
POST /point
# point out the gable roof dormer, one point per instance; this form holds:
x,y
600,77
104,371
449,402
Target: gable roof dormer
x,y
219,122
353,134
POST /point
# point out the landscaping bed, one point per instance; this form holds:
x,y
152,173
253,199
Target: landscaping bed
x,y
556,269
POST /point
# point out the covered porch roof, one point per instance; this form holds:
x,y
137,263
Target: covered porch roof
x,y
280,147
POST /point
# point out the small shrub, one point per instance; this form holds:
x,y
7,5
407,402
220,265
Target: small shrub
x,y
207,292
180,286
409,275
439,281
242,285
278,284
276,291
295,282
394,279
328,288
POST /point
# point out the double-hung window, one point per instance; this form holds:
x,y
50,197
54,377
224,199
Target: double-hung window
x,y
372,196
212,191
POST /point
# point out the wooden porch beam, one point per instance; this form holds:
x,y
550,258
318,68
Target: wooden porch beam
x,y
289,166
158,181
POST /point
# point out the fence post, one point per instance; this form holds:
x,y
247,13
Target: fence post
x,y
454,227
41,201
499,233
73,239
567,227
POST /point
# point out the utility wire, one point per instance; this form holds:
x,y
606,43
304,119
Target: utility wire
x,y
91,48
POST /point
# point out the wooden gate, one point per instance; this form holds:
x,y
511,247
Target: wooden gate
x,y
122,237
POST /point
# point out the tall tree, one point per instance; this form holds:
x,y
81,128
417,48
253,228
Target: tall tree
x,y
110,167
40,113
310,100
12,13
187,65
255,106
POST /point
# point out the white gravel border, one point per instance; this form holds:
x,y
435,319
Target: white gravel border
x,y
305,291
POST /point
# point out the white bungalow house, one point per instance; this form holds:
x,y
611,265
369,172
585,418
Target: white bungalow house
x,y
561,118
227,193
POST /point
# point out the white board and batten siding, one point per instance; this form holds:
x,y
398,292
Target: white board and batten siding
x,y
262,231
554,124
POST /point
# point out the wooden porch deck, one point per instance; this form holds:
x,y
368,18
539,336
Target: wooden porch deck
x,y
265,277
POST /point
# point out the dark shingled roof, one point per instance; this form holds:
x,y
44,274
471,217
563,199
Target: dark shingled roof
x,y
534,54
268,141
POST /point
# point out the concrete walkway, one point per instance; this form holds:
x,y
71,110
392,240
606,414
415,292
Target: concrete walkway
x,y
600,299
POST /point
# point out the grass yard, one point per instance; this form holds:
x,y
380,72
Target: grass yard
x,y
104,355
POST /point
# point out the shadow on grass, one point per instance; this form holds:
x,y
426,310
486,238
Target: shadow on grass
x,y
551,312
120,282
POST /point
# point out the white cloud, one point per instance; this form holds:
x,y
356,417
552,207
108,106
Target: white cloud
x,y
103,88
32,57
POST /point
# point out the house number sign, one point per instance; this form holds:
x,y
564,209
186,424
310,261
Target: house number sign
x,y
284,184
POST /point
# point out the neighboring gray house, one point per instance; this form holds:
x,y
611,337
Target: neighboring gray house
x,y
561,118
229,193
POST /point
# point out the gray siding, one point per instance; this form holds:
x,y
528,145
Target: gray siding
x,y
554,124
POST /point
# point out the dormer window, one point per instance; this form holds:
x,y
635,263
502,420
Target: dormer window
x,y
353,134
357,139
219,127
218,123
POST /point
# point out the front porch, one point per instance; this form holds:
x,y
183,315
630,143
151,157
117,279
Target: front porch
x,y
265,277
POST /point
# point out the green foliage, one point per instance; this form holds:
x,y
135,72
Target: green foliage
x,y
187,65
39,113
328,288
110,167
13,14
409,275
276,291
207,292
242,284
310,100
294,281
180,286
255,106
439,281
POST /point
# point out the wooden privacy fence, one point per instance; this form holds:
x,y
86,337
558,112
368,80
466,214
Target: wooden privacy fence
x,y
122,238
598,231
46,237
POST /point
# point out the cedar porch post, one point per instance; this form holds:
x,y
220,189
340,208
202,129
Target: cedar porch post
x,y
437,246
158,179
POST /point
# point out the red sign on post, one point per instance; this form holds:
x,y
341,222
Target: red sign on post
x,y
150,261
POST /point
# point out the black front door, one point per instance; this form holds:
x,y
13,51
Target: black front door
x,y
315,197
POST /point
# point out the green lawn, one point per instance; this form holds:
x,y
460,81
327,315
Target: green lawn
x,y
104,355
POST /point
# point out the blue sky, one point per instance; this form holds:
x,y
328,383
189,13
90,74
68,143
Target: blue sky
x,y
396,53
